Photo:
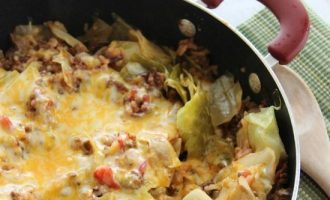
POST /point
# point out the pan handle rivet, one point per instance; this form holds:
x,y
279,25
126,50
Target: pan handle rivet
x,y
254,83
187,28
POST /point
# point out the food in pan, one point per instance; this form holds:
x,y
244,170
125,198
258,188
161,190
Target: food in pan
x,y
111,115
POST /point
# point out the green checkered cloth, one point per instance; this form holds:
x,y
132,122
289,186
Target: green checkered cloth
x,y
312,64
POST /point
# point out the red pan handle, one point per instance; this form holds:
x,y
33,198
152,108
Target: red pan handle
x,y
294,30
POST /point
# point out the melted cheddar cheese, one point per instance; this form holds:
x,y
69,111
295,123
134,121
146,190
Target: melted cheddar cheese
x,y
42,157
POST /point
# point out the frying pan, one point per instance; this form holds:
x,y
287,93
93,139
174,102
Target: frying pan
x,y
159,21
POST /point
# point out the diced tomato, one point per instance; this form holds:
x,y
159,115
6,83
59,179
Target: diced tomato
x,y
104,175
142,167
121,143
5,122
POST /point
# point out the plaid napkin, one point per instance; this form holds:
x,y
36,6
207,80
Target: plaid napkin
x,y
312,64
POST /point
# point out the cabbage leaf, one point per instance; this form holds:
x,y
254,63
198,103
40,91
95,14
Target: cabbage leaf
x,y
120,29
225,99
59,30
137,48
182,81
98,34
173,81
194,123
161,148
27,36
151,65
242,136
263,132
149,50
128,48
132,52
234,179
63,58
197,194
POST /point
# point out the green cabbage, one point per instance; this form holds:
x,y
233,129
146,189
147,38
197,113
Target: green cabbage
x,y
63,58
242,136
90,61
225,99
263,132
151,65
98,34
149,50
120,29
197,194
161,147
188,81
194,123
265,158
260,166
173,81
135,47
26,37
59,30
182,81
128,48
142,51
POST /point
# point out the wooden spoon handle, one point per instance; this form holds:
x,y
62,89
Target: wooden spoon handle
x,y
309,125
315,161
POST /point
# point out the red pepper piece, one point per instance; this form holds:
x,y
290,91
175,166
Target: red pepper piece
x,y
142,167
104,175
5,122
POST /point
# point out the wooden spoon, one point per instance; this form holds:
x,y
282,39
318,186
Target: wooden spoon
x,y
310,126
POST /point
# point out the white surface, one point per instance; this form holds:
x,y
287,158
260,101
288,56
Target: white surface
x,y
236,12
321,7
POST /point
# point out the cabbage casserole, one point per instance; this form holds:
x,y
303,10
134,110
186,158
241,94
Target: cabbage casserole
x,y
111,115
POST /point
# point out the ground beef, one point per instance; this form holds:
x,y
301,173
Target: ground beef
x,y
137,102
38,102
185,45
23,195
280,190
50,67
84,145
119,86
155,79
